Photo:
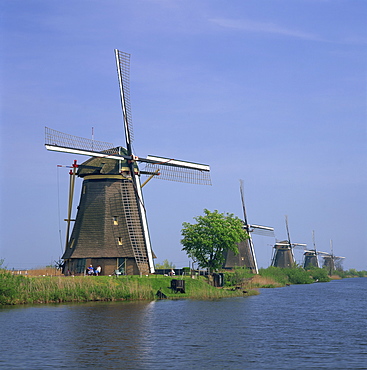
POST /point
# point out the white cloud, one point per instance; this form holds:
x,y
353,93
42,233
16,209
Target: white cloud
x,y
263,27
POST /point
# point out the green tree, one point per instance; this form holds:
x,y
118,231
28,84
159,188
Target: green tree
x,y
213,233
165,265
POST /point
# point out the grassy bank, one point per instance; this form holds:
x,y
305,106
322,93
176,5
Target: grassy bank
x,y
18,289
350,273
273,277
48,288
296,275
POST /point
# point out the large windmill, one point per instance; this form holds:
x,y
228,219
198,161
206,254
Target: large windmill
x,y
246,253
283,255
111,227
331,262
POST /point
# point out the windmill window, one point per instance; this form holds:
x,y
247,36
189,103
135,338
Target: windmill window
x,y
115,220
119,240
84,189
72,243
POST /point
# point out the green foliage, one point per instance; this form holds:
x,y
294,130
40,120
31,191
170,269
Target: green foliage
x,y
352,272
165,265
318,274
275,273
355,273
213,233
294,275
8,286
237,277
297,275
15,289
342,274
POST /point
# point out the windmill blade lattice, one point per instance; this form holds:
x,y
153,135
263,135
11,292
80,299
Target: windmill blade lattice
x,y
179,174
60,139
262,230
123,70
299,245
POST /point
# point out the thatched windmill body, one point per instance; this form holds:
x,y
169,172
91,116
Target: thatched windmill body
x,y
283,255
246,256
310,256
310,259
111,228
331,262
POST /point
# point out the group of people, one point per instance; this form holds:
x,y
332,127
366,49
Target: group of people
x,y
94,271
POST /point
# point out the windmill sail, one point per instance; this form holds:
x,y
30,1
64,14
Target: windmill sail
x,y
59,141
168,168
262,230
111,227
246,252
123,72
180,171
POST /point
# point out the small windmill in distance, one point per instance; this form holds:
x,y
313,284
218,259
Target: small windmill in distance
x,y
283,255
246,253
111,228
331,262
310,256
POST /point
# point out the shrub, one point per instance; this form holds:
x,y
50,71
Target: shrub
x,y
297,275
318,274
237,277
276,274
8,286
355,273
342,274
294,275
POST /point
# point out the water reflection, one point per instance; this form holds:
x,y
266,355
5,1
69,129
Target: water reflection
x,y
108,333
308,326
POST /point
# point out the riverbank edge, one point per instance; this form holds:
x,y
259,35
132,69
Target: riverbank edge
x,y
16,290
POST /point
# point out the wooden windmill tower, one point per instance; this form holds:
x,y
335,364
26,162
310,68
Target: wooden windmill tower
x,y
111,227
331,262
283,251
246,253
310,256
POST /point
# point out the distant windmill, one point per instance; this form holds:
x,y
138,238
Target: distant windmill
x,y
331,262
283,251
310,256
246,256
111,228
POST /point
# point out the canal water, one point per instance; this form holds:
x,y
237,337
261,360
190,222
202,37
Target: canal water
x,y
317,326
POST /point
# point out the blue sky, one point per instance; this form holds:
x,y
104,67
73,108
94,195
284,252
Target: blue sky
x,y
271,92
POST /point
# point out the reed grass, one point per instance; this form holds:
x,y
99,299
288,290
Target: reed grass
x,y
43,288
17,289
259,281
39,271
